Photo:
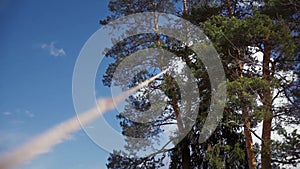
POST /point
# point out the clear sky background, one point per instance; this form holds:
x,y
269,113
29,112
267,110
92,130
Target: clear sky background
x,y
39,44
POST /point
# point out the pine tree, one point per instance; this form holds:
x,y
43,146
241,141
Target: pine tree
x,y
239,30
268,29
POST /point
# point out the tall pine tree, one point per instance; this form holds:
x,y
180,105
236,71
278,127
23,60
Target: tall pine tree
x,y
241,30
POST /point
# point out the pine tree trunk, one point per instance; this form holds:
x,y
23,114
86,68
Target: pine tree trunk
x,y
185,8
184,144
229,9
248,137
247,124
267,103
185,154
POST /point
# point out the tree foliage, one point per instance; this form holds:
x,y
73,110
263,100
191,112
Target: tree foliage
x,y
240,30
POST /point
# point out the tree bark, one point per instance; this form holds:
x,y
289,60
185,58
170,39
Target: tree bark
x,y
185,8
248,138
229,9
185,155
247,124
268,116
184,144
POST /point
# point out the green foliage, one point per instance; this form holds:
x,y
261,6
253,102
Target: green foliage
x,y
119,160
254,25
216,159
287,150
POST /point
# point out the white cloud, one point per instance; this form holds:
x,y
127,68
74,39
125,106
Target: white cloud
x,y
29,114
10,138
70,138
53,50
17,114
7,113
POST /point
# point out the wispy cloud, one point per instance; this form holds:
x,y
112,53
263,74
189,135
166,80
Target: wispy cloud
x,y
53,50
7,113
19,113
70,138
10,138
29,114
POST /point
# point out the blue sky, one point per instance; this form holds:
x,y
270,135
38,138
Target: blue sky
x,y
40,42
